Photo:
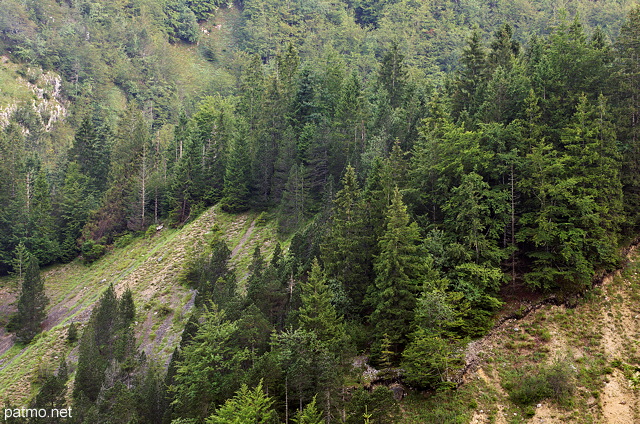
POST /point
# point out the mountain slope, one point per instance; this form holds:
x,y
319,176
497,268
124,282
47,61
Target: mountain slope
x,y
593,347
150,267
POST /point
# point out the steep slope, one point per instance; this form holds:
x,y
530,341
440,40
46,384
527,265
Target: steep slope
x,y
149,267
593,347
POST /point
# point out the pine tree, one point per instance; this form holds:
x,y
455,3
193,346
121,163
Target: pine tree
x,y
248,406
237,178
346,249
317,313
398,269
31,303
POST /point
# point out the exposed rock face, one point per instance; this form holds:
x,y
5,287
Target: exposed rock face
x,y
48,102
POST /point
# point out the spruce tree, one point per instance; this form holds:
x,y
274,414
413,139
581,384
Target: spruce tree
x,y
317,313
248,406
237,178
468,91
32,303
346,250
75,206
398,269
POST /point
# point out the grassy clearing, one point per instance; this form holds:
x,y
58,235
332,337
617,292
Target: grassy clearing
x,y
11,90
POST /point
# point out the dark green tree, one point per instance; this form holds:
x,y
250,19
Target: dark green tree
x,y
399,268
237,178
31,303
210,367
469,84
346,250
317,314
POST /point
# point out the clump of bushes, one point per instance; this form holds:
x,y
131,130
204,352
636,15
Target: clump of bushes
x,y
530,386
92,251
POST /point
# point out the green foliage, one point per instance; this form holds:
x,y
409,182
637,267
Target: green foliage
x,y
316,313
31,303
398,268
309,415
210,367
378,405
246,407
92,251
556,382
107,354
345,252
72,333
431,361
236,178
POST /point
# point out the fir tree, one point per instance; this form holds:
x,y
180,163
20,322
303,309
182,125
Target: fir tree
x,y
346,249
398,269
237,178
31,303
317,313
248,406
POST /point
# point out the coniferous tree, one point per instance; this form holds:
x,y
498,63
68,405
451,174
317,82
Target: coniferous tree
x,y
294,199
346,249
469,85
628,98
75,206
210,367
248,406
392,75
503,47
20,260
90,151
237,178
317,313
31,303
398,267
41,235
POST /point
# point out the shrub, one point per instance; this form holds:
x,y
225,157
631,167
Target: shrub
x,y
72,333
555,382
123,240
92,251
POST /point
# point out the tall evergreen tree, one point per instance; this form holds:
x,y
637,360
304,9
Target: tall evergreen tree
x,y
346,250
75,206
237,178
469,84
31,303
398,268
317,313
628,98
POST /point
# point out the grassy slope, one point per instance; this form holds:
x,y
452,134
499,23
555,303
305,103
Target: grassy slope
x,y
150,267
597,341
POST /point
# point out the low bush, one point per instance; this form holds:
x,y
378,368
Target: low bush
x,y
531,386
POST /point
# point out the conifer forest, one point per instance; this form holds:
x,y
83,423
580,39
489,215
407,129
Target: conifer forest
x,y
405,170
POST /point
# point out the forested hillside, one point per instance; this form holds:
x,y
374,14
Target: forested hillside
x,y
416,160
